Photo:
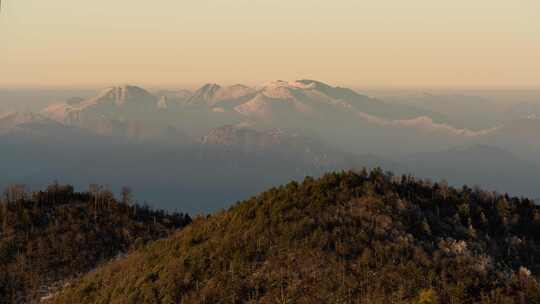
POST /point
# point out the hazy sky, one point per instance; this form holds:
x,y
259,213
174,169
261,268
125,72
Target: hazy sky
x,y
179,42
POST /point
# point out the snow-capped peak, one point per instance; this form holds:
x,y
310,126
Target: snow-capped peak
x,y
121,94
304,84
204,94
111,100
212,94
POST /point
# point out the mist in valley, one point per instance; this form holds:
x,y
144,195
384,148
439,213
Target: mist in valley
x,y
217,144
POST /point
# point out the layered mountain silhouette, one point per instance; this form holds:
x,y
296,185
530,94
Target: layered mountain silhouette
x,y
259,135
479,165
279,102
278,147
520,136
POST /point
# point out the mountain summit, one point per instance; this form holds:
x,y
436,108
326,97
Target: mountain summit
x,y
212,95
125,102
345,238
205,94
124,94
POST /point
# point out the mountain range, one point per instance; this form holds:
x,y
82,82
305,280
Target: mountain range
x,y
250,138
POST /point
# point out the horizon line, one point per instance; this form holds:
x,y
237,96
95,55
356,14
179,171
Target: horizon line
x,y
196,85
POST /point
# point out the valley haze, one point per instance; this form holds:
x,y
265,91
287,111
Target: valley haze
x,y
238,140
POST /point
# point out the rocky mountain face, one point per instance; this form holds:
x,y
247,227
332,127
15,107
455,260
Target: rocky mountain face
x,y
174,97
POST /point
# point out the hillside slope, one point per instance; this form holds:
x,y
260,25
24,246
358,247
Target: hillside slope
x,y
51,236
344,238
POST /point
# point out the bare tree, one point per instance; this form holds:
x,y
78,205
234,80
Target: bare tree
x,y
126,195
14,193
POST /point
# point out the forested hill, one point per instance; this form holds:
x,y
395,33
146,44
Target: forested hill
x,y
51,236
344,238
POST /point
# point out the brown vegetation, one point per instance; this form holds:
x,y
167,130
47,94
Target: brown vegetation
x,y
344,238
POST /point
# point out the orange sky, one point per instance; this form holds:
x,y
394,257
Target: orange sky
x,y
170,42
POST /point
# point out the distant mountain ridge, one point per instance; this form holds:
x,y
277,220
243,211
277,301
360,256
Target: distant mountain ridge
x,y
321,127
126,101
27,123
302,97
234,142
484,165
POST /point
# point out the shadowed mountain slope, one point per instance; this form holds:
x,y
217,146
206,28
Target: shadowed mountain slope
x,y
51,236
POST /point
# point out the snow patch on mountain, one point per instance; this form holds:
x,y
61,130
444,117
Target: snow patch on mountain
x,y
265,107
424,124
109,102
211,95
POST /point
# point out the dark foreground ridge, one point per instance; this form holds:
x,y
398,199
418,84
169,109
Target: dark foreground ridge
x,y
49,237
344,238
